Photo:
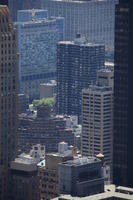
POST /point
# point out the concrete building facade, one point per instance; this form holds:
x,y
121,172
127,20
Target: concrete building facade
x,y
105,77
23,103
97,117
81,177
48,89
97,122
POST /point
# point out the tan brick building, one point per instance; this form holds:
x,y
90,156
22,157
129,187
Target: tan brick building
x,y
49,173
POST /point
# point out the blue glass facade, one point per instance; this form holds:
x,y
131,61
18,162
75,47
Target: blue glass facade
x,y
29,15
77,65
60,26
37,40
93,19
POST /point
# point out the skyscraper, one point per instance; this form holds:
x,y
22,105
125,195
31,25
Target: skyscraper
x,y
37,37
8,98
123,95
97,119
77,65
93,19
15,5
97,122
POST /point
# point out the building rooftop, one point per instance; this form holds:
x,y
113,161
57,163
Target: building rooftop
x,y
109,64
64,154
81,161
97,89
51,83
32,10
1,6
43,21
30,115
107,70
111,192
79,1
80,42
70,1
24,163
124,189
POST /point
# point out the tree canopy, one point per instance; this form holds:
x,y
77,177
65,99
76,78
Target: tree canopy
x,y
45,101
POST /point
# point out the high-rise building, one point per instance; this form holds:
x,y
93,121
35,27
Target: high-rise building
x,y
77,65
123,95
15,5
97,121
97,117
37,37
81,177
92,19
8,98
33,14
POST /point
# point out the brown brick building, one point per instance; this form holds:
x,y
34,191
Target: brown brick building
x,y
49,173
44,128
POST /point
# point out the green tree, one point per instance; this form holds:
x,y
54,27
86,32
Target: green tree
x,y
45,101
